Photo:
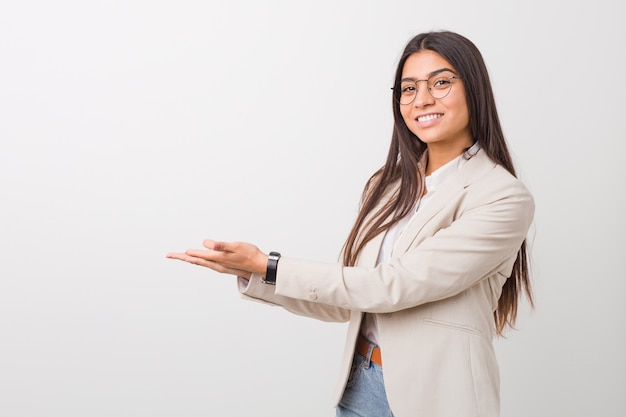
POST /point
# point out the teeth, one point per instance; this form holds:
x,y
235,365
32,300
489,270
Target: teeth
x,y
428,117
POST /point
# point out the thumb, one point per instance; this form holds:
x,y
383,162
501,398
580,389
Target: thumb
x,y
216,246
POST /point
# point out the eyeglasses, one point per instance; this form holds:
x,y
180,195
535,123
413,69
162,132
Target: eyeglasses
x,y
437,85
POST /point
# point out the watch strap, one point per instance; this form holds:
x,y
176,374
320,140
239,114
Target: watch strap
x,y
272,267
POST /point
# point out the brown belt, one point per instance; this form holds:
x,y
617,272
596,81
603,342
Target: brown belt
x,y
363,347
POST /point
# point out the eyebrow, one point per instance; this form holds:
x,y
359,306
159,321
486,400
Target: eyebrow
x,y
435,72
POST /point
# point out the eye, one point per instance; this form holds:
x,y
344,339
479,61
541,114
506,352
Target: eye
x,y
441,83
407,89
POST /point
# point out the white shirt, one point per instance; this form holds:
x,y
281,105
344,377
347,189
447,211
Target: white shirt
x,y
432,182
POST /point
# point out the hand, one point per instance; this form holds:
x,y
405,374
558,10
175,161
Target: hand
x,y
236,258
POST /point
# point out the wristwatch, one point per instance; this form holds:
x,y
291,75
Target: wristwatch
x,y
272,266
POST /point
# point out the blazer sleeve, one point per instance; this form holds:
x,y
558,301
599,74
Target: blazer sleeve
x,y
255,290
487,227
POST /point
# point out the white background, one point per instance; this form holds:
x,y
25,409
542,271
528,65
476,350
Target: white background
x,y
130,129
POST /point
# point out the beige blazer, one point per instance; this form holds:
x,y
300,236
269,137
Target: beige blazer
x,y
434,299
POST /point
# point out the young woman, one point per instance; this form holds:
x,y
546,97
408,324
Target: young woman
x,y
436,261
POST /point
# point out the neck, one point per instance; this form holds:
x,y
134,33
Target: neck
x,y
438,156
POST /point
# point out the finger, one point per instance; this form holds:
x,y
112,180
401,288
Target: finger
x,y
220,246
209,255
188,255
224,259
217,267
209,264
209,244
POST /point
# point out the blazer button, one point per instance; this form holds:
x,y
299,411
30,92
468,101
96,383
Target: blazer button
x,y
313,295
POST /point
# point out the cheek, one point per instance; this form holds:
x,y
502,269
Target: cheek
x,y
465,117
405,111
463,109
408,120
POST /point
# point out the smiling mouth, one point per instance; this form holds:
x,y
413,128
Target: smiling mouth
x,y
428,117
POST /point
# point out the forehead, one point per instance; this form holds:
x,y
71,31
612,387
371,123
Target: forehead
x,y
421,64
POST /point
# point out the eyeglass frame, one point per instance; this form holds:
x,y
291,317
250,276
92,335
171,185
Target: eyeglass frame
x,y
427,88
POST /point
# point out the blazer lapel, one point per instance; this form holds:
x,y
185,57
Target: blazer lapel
x,y
452,188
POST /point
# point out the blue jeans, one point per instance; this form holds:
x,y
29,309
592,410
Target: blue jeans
x,y
364,395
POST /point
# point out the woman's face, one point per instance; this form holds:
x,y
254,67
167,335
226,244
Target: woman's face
x,y
442,123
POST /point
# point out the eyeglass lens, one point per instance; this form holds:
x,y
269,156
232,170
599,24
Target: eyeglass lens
x,y
438,86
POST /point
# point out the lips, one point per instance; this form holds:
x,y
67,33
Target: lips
x,y
428,117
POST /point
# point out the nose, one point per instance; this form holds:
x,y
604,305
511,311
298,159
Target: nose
x,y
422,96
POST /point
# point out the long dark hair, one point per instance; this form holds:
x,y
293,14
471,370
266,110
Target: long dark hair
x,y
406,150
